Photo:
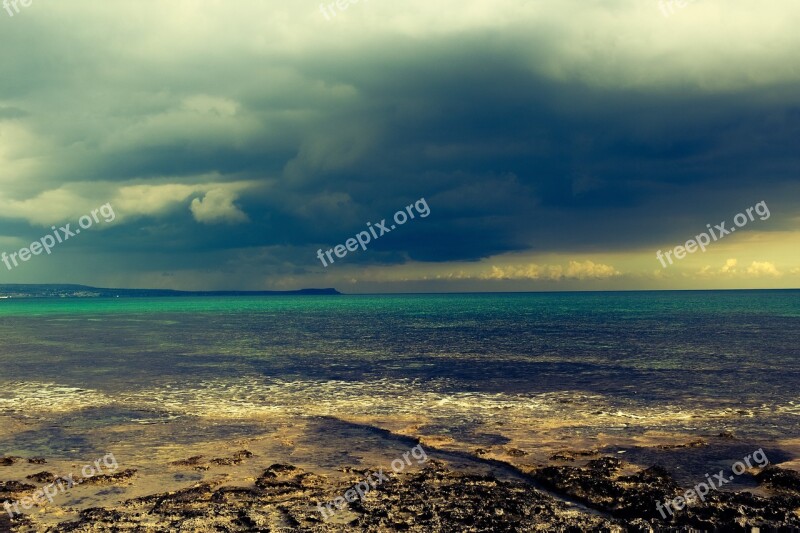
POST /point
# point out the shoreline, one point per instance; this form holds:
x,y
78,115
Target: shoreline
x,y
275,482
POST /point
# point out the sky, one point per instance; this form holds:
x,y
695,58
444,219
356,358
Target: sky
x,y
550,144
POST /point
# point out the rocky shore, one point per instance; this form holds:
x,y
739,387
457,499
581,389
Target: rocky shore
x,y
578,491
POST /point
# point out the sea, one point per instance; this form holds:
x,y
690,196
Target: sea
x,y
528,373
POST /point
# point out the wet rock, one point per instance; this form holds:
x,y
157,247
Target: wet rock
x,y
571,455
237,458
634,498
42,477
17,523
605,465
562,456
13,488
280,470
437,499
284,498
191,461
514,452
694,444
116,477
243,454
225,461
781,479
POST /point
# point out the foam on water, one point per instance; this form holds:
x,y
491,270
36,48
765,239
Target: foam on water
x,y
379,399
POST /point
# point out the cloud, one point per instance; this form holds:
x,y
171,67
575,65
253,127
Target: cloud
x,y
729,267
136,200
727,270
205,104
765,268
129,201
590,270
575,270
757,269
217,206
48,207
530,271
593,129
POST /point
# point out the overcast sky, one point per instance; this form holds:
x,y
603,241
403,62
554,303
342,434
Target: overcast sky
x,y
559,144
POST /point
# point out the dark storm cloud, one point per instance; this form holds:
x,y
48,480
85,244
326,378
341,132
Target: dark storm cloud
x,y
530,131
585,167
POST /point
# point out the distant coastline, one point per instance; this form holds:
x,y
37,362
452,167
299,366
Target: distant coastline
x,y
9,291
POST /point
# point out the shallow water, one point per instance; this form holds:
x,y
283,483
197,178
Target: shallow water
x,y
532,371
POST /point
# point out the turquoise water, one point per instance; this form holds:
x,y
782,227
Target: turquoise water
x,y
469,366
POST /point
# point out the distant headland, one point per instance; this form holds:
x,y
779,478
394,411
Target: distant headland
x,y
84,291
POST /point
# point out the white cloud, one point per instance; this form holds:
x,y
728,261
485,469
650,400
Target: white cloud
x,y
590,270
217,206
575,270
758,269
530,271
129,200
48,207
730,269
151,199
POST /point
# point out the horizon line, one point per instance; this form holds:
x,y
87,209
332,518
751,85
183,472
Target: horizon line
x,y
340,293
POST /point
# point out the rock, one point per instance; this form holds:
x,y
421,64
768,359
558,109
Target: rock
x,y
514,452
779,478
42,477
116,477
191,461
